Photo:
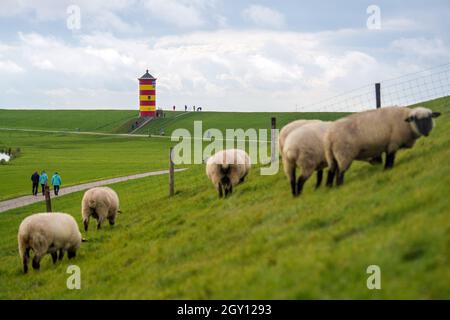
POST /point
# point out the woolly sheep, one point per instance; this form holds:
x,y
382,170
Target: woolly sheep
x,y
284,132
366,134
101,203
47,233
228,168
287,129
304,149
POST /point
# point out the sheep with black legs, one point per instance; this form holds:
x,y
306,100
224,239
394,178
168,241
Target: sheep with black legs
x,y
101,203
370,133
304,149
228,168
45,233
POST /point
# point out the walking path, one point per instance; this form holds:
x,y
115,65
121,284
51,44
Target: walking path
x,y
26,200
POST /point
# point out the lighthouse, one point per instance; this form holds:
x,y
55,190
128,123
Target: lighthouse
x,y
147,95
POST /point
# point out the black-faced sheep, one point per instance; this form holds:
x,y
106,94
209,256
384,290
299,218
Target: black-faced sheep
x,y
370,133
101,203
228,168
304,148
47,233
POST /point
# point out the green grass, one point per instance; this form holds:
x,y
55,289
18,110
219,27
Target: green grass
x,y
77,158
70,120
222,120
260,243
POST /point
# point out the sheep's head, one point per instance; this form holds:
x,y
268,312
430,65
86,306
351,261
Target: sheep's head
x,y
421,120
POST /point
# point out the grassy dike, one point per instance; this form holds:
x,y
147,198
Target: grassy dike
x,y
260,243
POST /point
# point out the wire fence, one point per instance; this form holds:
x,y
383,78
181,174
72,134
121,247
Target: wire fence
x,y
406,90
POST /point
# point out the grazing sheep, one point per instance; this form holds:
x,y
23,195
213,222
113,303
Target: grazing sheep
x,y
304,148
284,132
370,133
228,168
101,203
47,233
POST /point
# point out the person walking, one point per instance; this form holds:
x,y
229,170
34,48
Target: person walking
x,y
56,182
43,181
35,181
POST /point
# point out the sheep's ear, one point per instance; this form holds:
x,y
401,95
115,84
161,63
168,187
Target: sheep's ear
x,y
409,119
435,114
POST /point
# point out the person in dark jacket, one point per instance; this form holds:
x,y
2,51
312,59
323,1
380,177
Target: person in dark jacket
x,y
35,181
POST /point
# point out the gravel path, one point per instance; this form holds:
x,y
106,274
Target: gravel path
x,y
26,200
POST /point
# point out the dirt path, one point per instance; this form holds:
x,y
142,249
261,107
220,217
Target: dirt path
x,y
26,200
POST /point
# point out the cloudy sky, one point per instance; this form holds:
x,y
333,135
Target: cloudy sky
x,y
218,54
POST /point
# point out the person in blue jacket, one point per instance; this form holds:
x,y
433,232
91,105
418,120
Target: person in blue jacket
x,y
56,182
43,181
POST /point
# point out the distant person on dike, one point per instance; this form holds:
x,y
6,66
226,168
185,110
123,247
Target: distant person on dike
x,y
43,181
56,182
35,180
185,108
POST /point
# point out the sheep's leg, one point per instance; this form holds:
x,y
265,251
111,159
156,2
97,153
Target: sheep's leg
x,y
330,177
61,254
99,223
292,181
390,158
228,191
54,257
71,254
111,221
301,181
340,177
319,178
86,224
36,264
220,189
26,256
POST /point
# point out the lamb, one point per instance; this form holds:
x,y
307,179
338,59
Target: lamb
x,y
304,148
228,168
101,203
47,233
370,133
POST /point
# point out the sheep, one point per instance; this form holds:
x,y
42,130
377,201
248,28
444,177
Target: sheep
x,y
228,168
304,149
287,129
47,233
101,203
366,134
284,132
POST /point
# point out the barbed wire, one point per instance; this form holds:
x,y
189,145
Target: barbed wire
x,y
408,89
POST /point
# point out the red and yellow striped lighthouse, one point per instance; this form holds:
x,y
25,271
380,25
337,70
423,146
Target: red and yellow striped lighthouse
x,y
147,95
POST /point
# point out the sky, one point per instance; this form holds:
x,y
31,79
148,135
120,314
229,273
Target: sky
x,y
217,54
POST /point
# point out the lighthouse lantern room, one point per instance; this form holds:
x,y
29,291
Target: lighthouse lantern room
x,y
147,95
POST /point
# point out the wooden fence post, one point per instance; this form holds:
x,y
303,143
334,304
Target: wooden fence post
x,y
273,138
48,201
171,173
378,95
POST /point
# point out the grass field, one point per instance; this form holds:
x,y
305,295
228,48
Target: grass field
x,y
77,158
222,120
260,243
67,120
